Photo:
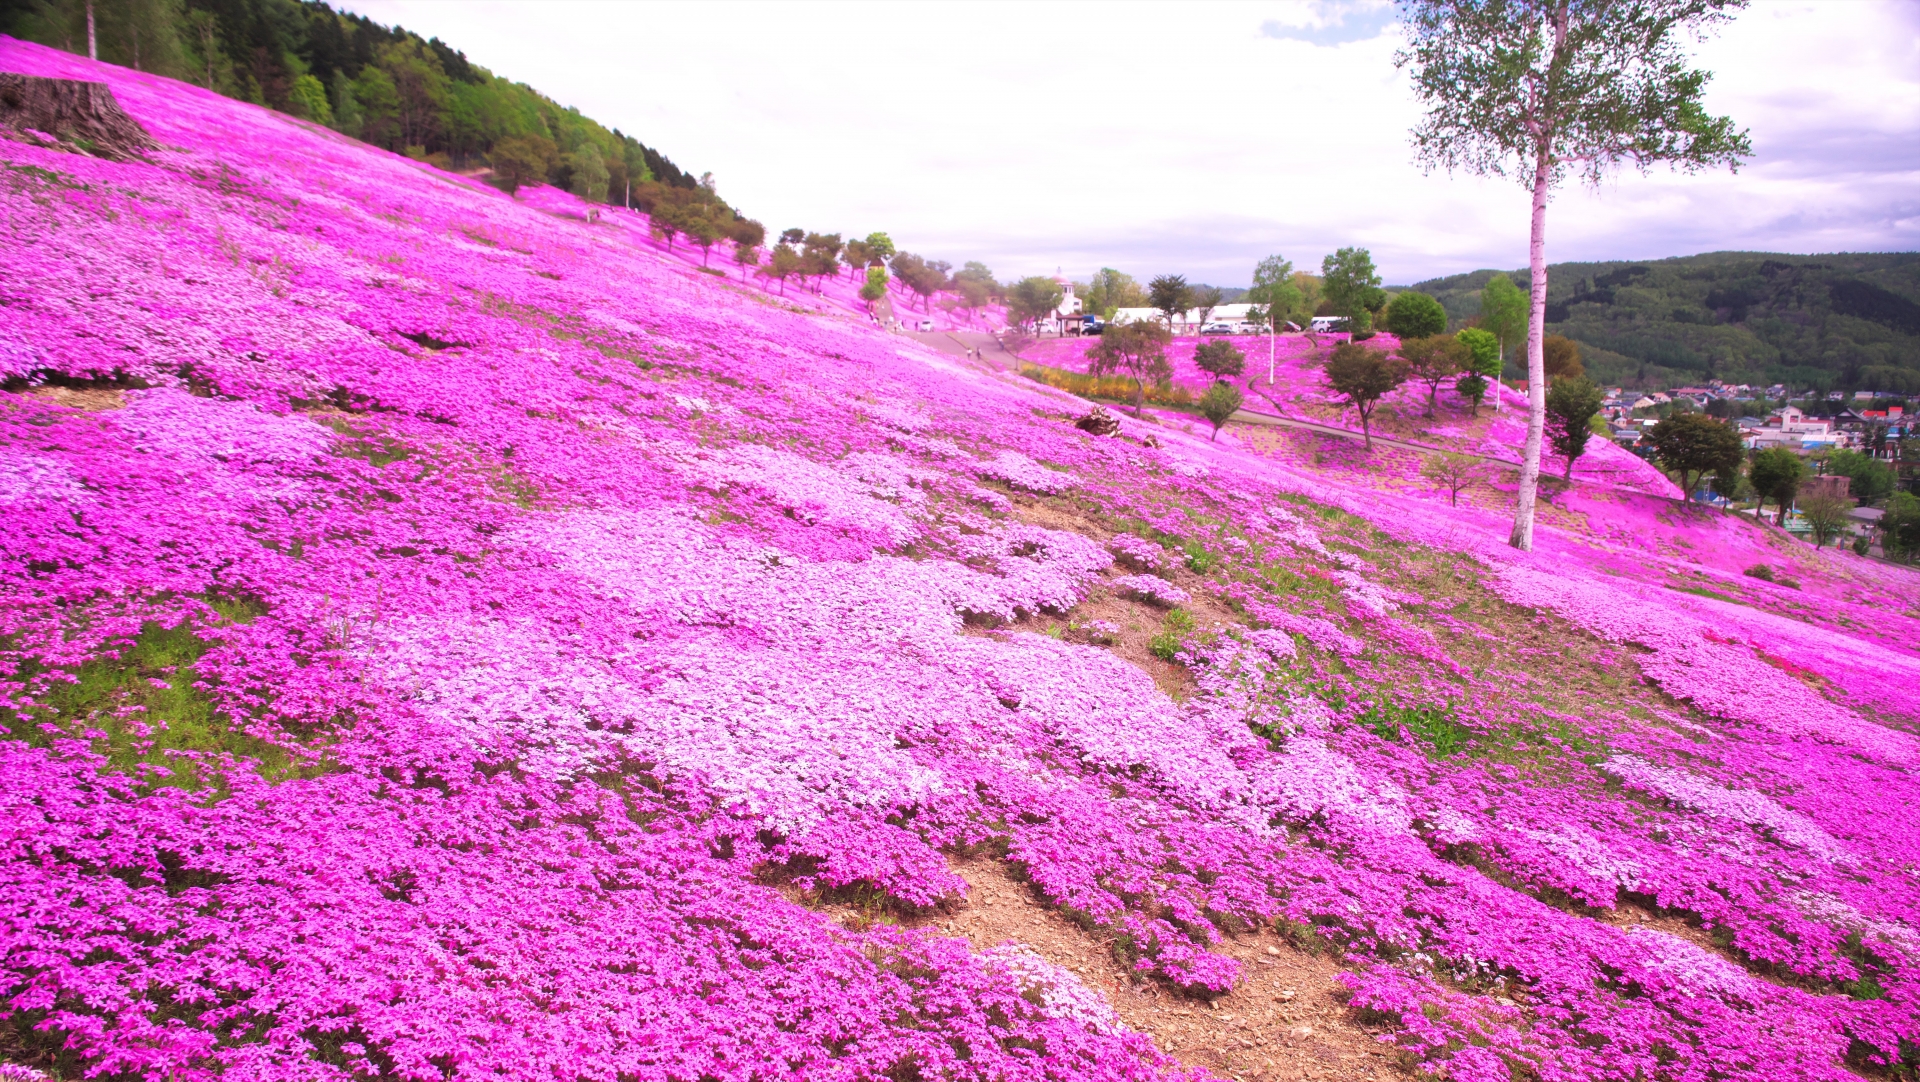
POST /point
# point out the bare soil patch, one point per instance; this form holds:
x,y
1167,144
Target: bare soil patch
x,y
82,398
1284,1021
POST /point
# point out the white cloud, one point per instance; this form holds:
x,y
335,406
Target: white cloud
x,y
1193,137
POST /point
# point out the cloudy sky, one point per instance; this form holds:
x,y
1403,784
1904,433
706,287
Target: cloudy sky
x,y
1192,137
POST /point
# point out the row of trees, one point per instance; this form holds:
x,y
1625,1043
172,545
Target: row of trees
x,y
385,85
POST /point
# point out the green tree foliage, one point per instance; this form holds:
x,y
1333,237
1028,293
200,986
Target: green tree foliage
x,y
308,100
783,264
859,256
1220,359
1503,312
1571,403
820,256
1561,356
1694,445
1415,315
1033,299
1221,402
975,292
748,255
704,233
1137,351
875,286
881,246
1170,295
521,160
1812,322
1352,286
1111,290
590,182
382,84
1483,363
1364,376
1205,300
1826,515
1275,295
1540,88
1869,479
1453,472
1776,475
1900,527
146,35
1433,360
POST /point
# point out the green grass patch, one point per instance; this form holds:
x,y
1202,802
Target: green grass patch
x,y
142,709
1173,635
1436,726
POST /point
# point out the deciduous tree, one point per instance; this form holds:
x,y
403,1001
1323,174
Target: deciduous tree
x,y
1483,351
1220,359
1900,527
874,288
1560,356
1453,472
1433,360
1352,286
1137,351
746,255
520,160
1571,403
1205,300
1542,88
1364,375
1033,299
782,264
1825,514
1276,298
1776,475
1220,403
1503,312
1694,445
1111,290
590,178
1415,315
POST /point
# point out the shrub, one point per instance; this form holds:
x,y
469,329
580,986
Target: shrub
x,y
1760,571
1114,388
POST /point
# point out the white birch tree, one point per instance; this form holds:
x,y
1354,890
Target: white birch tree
x,y
1541,89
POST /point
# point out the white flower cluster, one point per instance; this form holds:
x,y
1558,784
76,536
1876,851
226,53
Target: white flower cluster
x,y
1020,471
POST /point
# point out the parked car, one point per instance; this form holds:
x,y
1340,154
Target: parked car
x,y
1217,327
1092,325
924,325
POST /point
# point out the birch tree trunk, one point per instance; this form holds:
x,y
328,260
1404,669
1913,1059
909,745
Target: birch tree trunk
x,y
93,48
1536,355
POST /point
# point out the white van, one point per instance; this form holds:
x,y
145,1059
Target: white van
x,y
925,325
1328,324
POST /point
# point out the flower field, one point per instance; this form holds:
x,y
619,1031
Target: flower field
x,y
444,637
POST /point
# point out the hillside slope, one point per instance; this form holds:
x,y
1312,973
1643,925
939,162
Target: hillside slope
x,y
1847,320
444,638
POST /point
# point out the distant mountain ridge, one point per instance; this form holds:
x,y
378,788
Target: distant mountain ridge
x,y
1845,321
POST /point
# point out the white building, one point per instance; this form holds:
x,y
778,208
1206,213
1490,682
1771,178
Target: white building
x,y
1070,305
1791,428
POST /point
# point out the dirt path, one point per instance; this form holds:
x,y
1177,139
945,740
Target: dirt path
x,y
1281,1022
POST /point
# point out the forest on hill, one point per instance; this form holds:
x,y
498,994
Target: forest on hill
x,y
385,85
1846,321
